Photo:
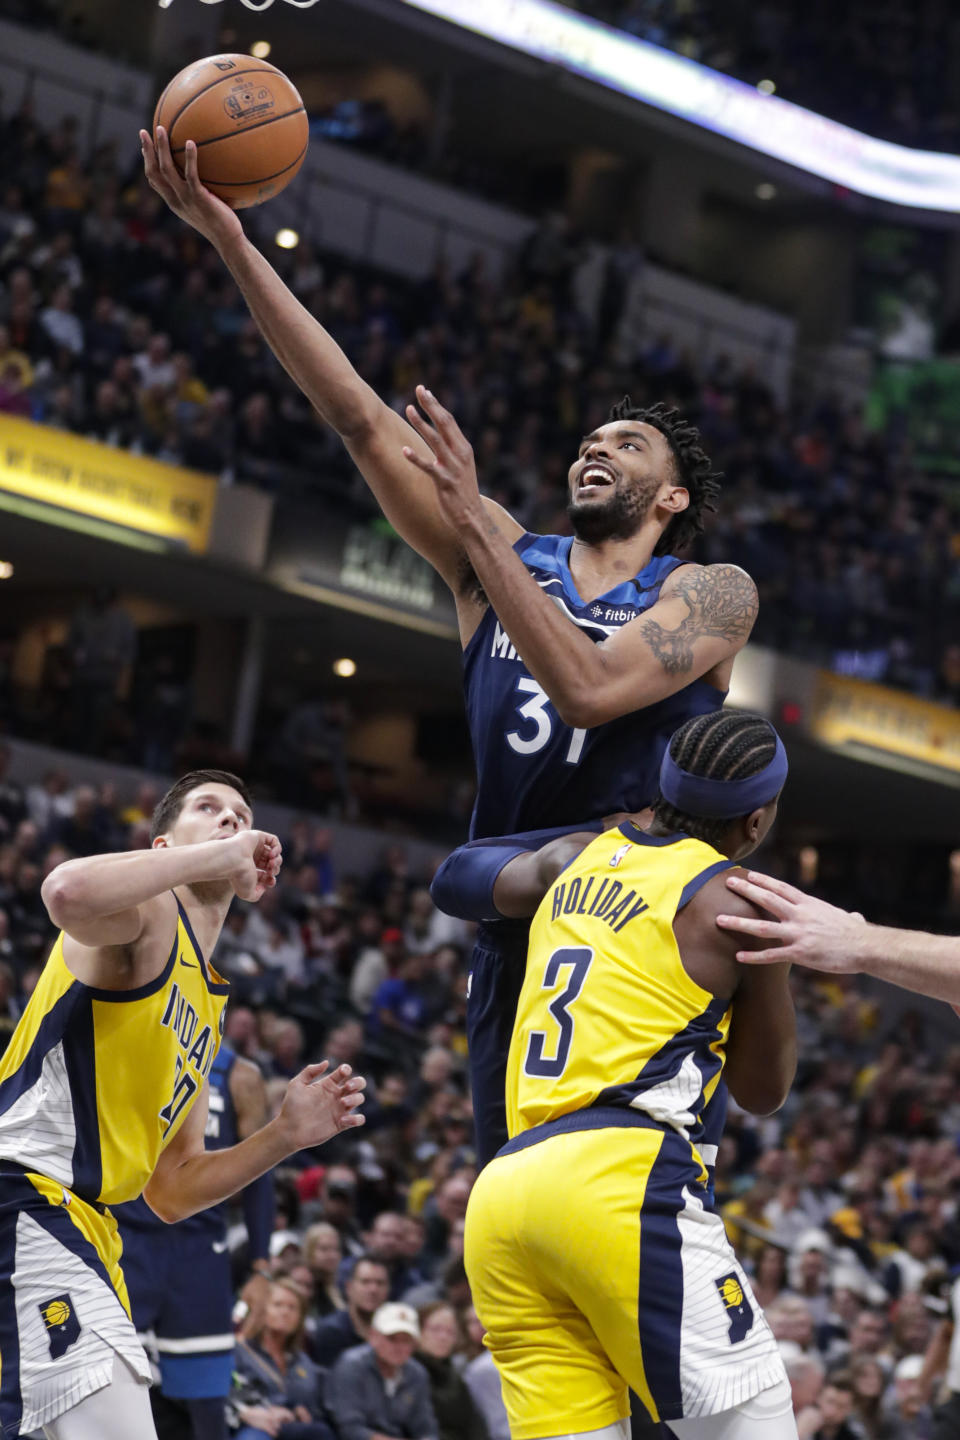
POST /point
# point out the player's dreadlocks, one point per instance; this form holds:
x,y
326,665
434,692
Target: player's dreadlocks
x,y
694,468
718,746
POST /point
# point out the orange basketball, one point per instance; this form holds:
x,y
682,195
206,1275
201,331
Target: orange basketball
x,y
248,122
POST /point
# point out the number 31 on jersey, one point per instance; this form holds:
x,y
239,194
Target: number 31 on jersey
x,y
537,711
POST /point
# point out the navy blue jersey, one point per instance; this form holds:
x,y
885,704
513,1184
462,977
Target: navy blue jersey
x,y
534,772
220,1133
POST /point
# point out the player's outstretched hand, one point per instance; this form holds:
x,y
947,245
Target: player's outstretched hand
x,y
254,862
184,194
318,1106
803,930
452,468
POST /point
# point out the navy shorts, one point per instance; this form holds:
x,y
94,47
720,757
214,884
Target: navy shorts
x,y
497,968
179,1283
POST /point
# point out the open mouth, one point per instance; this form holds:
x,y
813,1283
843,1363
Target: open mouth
x,y
594,478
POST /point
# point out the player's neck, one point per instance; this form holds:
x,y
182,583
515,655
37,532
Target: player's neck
x,y
206,905
598,565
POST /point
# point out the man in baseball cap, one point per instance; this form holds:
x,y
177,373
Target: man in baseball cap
x,y
379,1387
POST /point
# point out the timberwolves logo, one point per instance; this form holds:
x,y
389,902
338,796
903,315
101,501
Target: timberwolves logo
x,y
63,1327
738,1307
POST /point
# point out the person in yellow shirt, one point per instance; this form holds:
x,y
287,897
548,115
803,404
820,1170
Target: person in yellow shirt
x,y
596,1260
103,1096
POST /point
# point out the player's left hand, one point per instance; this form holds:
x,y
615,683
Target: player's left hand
x,y
452,469
803,930
318,1106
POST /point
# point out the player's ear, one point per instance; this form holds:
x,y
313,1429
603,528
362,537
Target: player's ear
x,y
674,498
754,825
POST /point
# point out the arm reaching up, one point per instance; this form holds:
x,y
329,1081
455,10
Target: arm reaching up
x,y
374,434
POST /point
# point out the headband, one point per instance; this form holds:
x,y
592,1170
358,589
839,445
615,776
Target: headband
x,y
722,799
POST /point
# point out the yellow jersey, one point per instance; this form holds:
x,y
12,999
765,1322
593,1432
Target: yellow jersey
x,y
94,1083
608,1016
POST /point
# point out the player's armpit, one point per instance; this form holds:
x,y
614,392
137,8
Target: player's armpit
x,y
701,619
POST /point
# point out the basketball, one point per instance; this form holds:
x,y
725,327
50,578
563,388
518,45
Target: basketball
x,y
248,122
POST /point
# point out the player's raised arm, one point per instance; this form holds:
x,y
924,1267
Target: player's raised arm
x,y
373,433
702,619
102,900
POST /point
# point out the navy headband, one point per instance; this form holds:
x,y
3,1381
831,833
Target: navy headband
x,y
722,799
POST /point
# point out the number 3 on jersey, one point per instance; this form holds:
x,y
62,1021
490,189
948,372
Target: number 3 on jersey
x,y
537,710
578,958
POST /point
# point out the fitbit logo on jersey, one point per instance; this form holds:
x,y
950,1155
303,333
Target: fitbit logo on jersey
x,y
616,617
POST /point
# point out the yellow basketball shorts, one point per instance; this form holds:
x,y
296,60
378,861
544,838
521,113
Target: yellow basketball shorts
x,y
64,1311
596,1265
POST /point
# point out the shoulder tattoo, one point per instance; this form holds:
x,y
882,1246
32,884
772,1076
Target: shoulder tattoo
x,y
721,604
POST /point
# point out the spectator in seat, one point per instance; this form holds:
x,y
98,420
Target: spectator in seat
x,y
457,1416
279,1389
378,1387
366,1289
833,1415
322,1253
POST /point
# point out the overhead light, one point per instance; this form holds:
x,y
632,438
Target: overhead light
x,y
260,49
287,239
766,87
765,191
345,668
6,569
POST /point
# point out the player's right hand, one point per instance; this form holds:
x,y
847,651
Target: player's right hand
x,y
184,194
317,1105
802,929
254,862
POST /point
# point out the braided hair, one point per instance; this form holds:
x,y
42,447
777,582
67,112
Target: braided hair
x,y
718,746
694,468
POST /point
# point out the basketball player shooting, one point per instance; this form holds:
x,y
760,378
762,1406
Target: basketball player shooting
x,y
103,1095
582,656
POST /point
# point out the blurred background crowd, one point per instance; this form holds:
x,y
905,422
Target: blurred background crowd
x,y
118,324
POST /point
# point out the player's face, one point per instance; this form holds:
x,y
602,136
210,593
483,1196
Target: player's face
x,y
211,812
622,471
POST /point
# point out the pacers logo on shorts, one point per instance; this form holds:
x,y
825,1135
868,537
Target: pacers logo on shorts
x,y
63,1327
738,1307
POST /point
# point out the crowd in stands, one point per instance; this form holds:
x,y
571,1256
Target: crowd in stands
x,y
888,69
118,323
844,1206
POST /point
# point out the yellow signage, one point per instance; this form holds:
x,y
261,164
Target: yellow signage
x,y
61,469
853,712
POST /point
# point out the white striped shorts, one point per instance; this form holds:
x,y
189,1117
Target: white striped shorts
x,y
64,1312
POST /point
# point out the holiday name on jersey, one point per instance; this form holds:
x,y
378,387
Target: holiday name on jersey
x,y
608,903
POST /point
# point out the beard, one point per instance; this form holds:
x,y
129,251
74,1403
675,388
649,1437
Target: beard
x,y
618,518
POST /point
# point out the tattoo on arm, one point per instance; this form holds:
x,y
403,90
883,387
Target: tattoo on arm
x,y
721,603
